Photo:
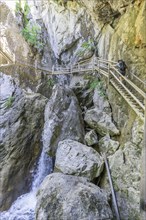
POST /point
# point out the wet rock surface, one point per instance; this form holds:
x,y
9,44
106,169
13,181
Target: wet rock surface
x,y
21,121
63,116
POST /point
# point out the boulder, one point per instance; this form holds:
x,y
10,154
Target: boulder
x,y
91,138
125,166
101,101
107,145
68,197
77,159
101,122
63,119
21,118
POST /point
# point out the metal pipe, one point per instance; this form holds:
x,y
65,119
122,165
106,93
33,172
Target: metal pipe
x,y
112,189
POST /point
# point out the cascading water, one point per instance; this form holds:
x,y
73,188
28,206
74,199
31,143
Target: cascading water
x,y
24,207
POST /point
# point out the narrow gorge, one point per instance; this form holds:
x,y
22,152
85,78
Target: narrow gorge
x,y
66,110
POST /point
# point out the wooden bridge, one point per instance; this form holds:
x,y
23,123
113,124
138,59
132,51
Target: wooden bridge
x,y
134,94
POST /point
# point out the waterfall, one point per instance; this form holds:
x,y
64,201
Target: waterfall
x,y
24,207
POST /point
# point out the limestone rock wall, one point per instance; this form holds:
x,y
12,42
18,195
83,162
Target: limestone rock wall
x,y
21,118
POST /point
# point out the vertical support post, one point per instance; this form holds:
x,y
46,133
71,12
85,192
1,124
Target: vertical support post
x,y
14,59
143,174
108,74
93,64
35,67
99,66
52,69
71,69
78,67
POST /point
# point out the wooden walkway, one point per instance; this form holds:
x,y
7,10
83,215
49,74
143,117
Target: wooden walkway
x,y
134,95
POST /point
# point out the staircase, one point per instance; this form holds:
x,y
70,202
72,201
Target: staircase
x,y
132,94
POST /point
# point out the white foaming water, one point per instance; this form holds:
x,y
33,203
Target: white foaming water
x,y
24,207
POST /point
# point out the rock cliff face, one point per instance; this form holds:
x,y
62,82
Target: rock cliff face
x,y
21,118
116,27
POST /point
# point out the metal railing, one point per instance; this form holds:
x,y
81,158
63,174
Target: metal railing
x,y
104,67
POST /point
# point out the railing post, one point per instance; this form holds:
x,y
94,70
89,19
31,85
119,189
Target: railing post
x,y
71,69
78,67
52,69
35,67
93,64
143,173
108,74
14,59
99,66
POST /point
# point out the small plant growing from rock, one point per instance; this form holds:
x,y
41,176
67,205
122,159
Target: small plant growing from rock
x,y
30,31
51,82
86,46
95,83
9,102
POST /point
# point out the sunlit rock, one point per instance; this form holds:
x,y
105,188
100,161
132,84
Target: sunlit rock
x,y
68,197
77,159
101,122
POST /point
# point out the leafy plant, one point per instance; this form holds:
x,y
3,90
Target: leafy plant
x,y
95,83
86,45
26,12
31,32
51,82
18,7
9,102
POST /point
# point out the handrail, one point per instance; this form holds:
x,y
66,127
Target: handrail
x,y
130,83
142,106
10,57
143,82
106,68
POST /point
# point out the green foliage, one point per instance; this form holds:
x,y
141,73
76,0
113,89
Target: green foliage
x,y
87,45
9,102
18,7
31,32
26,12
51,82
95,83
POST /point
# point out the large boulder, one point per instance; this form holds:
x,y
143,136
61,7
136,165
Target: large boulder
x,y
101,122
21,118
77,159
63,119
68,197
